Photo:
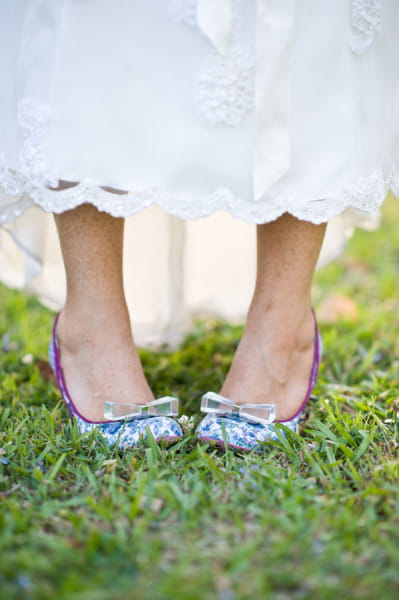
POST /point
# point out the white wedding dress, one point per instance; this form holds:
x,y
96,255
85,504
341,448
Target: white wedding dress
x,y
235,111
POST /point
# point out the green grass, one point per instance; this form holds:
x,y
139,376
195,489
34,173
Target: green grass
x,y
315,516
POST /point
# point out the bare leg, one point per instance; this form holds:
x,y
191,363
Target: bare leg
x,y
98,355
273,360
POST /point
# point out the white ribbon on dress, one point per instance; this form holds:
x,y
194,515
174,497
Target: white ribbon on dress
x,y
274,35
274,41
214,18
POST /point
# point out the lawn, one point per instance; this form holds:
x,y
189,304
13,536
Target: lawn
x,y
314,516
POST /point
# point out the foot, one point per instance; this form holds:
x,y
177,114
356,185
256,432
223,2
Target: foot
x,y
100,362
273,361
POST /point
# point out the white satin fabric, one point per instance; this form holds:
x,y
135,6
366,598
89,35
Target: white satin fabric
x,y
199,108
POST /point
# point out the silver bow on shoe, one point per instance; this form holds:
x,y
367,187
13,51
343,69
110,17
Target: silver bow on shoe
x,y
167,406
213,403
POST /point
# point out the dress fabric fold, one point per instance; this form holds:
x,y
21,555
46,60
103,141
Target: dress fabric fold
x,y
212,117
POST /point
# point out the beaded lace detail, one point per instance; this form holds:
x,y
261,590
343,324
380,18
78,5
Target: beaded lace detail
x,y
226,84
33,168
10,182
32,176
32,165
366,22
32,122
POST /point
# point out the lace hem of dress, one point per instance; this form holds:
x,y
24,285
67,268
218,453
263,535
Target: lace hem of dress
x,y
365,194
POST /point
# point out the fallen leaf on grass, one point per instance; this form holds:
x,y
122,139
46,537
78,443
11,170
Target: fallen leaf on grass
x,y
335,308
218,358
45,369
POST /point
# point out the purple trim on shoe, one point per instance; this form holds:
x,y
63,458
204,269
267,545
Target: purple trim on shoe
x,y
124,432
313,373
60,379
242,435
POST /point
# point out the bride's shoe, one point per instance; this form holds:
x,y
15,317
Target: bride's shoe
x,y
243,427
125,425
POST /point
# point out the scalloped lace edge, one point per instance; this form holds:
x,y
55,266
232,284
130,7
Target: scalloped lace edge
x,y
366,194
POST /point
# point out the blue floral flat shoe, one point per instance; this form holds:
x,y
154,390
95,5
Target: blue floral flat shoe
x,y
245,426
125,426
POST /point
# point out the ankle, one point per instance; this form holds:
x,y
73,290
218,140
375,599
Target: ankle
x,y
284,328
80,328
